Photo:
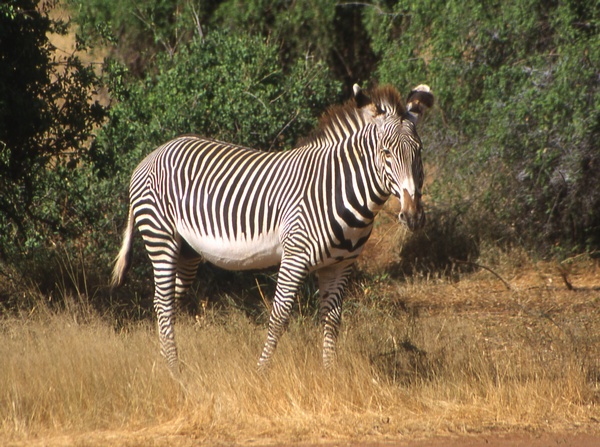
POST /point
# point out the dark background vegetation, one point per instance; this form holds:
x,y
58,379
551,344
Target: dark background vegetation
x,y
511,147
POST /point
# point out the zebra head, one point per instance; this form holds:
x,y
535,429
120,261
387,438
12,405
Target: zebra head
x,y
399,146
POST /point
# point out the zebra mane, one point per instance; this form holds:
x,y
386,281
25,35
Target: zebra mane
x,y
388,100
385,99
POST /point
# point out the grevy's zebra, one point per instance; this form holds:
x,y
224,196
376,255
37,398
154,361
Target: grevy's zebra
x,y
307,209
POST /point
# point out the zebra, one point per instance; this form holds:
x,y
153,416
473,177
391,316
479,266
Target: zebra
x,y
308,209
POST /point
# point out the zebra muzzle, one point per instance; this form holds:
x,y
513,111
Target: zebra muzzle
x,y
411,214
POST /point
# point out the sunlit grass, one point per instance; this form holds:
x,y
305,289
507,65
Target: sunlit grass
x,y
416,359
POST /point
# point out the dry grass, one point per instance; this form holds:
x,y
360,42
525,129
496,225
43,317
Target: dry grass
x,y
417,359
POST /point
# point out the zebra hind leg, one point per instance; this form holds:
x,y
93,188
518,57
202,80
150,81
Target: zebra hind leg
x,y
163,251
186,274
164,306
332,284
187,267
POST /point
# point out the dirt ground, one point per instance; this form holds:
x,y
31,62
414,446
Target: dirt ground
x,y
148,438
509,440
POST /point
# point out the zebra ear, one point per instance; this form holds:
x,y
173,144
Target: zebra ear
x,y
365,103
361,99
419,100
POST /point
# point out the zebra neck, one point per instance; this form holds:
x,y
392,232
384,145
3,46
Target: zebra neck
x,y
359,182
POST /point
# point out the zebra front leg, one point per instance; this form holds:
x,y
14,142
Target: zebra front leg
x,y
290,276
332,284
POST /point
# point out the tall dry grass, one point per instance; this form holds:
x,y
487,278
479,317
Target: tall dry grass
x,y
417,358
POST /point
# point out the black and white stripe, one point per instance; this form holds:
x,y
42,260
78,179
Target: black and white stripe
x,y
307,209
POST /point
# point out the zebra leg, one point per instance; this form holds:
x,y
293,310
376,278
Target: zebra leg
x,y
187,267
291,274
332,284
163,251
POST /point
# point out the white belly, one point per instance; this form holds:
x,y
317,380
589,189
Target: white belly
x,y
236,254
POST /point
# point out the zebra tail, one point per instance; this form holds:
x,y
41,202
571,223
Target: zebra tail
x,y
123,259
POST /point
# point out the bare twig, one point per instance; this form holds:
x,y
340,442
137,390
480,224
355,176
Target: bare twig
x,y
196,16
506,284
379,10
258,99
265,302
589,254
284,128
564,274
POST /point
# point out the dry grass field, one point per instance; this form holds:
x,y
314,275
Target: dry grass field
x,y
419,358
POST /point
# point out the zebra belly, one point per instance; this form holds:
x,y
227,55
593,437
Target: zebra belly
x,y
236,254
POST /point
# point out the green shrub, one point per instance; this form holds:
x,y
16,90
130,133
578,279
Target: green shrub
x,y
518,116
323,31
47,116
229,87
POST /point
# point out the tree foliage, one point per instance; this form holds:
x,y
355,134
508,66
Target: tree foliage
x,y
517,88
227,87
323,31
47,114
511,146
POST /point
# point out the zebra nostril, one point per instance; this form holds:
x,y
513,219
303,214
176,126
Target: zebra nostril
x,y
412,221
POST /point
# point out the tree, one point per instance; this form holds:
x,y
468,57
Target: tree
x,y
517,86
47,115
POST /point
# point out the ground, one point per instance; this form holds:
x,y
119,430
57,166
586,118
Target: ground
x,y
147,438
422,348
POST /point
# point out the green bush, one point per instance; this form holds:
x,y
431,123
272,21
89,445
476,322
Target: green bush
x,y
229,87
136,32
47,116
518,116
328,32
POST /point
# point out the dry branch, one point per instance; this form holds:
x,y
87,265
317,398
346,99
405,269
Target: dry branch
x,y
506,284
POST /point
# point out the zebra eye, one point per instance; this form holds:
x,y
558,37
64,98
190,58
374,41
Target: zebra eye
x,y
386,152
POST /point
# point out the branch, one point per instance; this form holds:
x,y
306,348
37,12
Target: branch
x,y
564,274
378,8
283,129
506,284
197,22
258,99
